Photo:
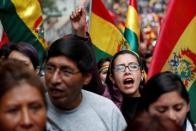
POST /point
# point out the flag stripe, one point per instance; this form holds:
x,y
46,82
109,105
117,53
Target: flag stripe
x,y
167,30
132,29
192,96
131,38
105,35
133,3
100,32
100,10
133,23
100,54
25,14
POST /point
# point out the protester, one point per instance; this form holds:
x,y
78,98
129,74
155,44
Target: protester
x,y
22,99
103,66
125,77
165,95
69,67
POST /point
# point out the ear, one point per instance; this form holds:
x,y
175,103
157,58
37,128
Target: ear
x,y
87,78
143,75
188,107
111,78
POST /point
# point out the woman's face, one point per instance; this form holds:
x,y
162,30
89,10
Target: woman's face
x,y
127,80
19,56
170,105
22,108
103,71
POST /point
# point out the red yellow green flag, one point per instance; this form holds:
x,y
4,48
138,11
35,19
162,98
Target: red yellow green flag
x,y
176,46
106,37
22,21
132,28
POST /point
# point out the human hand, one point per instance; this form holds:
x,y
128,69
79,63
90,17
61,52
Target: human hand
x,y
78,21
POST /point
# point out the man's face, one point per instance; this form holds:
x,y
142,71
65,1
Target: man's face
x,y
64,81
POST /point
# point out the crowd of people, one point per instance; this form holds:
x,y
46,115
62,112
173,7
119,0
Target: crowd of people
x,y
78,94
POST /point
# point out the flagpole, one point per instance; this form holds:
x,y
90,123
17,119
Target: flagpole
x,y
90,12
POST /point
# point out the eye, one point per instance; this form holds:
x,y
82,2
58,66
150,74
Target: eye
x,y
161,109
134,66
66,71
178,107
119,68
26,63
49,68
35,107
13,110
105,72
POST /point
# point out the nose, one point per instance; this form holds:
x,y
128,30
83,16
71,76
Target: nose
x,y
172,115
56,77
26,120
127,70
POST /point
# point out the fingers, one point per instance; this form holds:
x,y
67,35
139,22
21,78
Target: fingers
x,y
77,13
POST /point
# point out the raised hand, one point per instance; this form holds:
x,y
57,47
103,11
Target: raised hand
x,y
78,21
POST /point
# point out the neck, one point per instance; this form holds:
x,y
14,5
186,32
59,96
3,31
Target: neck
x,y
135,94
72,104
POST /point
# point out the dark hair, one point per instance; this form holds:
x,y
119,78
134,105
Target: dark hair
x,y
122,52
81,52
13,73
159,84
146,122
102,61
28,50
75,49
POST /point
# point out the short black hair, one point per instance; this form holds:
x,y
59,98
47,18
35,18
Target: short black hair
x,y
75,49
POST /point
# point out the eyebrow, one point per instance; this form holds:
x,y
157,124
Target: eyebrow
x,y
128,63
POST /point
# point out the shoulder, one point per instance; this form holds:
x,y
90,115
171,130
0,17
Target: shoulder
x,y
100,104
190,126
96,99
105,109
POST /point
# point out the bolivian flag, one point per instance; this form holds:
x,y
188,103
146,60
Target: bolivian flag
x,y
132,28
106,37
22,21
176,46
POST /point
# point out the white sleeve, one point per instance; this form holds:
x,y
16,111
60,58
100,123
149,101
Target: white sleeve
x,y
118,121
